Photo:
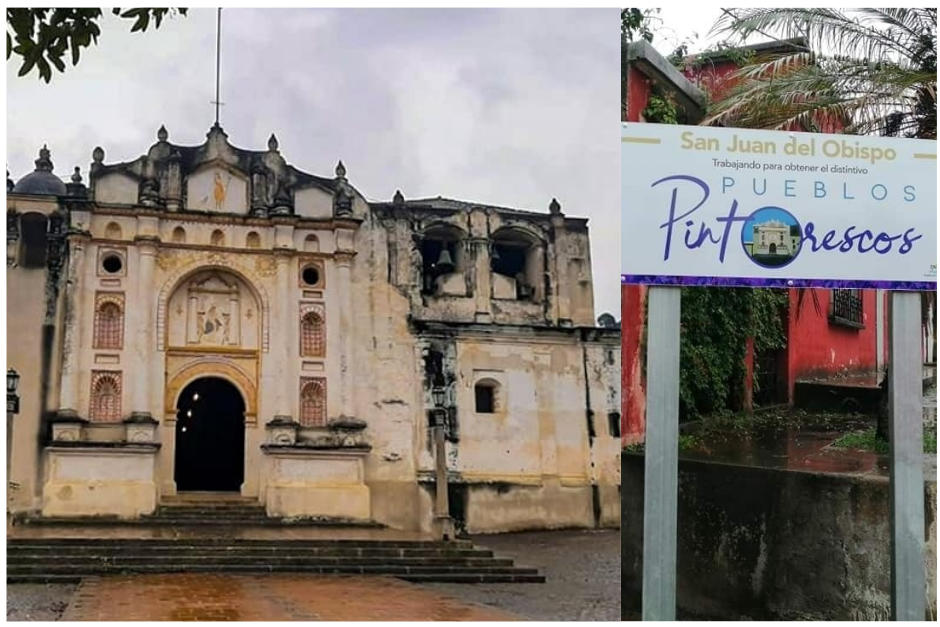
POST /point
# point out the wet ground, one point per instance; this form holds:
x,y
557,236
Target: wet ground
x,y
582,570
808,447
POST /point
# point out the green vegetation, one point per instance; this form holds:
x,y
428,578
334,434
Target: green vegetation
x,y
44,36
716,323
868,440
873,71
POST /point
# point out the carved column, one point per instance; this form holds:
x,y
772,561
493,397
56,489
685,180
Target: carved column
x,y
283,314
71,340
482,290
344,288
147,365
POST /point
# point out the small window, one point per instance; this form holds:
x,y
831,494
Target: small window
x,y
312,402
846,308
613,418
109,325
112,263
253,240
105,397
485,395
34,227
311,275
179,235
312,336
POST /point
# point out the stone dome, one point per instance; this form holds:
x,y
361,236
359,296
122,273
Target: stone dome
x,y
41,180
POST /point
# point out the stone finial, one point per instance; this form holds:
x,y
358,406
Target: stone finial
x,y
554,207
10,184
398,199
272,143
43,163
340,170
162,134
97,155
75,188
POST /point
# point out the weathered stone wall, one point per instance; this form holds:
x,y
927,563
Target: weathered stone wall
x,y
773,544
26,309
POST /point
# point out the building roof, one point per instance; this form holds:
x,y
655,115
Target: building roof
x,y
41,181
653,65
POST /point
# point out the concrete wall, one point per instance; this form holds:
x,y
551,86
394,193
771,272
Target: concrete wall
x,y
772,544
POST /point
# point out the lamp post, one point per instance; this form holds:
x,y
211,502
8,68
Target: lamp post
x,y
444,523
13,408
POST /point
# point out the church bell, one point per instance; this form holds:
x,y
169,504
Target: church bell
x,y
444,262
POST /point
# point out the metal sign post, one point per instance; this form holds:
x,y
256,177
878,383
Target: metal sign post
x,y
661,479
908,587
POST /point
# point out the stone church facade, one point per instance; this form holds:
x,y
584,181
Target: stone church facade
x,y
207,318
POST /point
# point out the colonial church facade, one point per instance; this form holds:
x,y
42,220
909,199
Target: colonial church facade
x,y
212,319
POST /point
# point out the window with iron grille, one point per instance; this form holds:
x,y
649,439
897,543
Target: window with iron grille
x,y
109,323
105,397
312,336
845,308
312,402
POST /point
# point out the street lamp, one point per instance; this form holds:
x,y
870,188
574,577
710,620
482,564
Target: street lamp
x,y
13,380
441,509
13,407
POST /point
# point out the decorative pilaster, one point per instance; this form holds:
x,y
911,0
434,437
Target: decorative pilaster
x,y
68,394
284,314
344,288
145,343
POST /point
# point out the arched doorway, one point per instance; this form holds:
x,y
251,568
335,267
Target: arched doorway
x,y
773,249
210,437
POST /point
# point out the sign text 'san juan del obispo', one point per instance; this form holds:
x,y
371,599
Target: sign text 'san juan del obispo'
x,y
714,206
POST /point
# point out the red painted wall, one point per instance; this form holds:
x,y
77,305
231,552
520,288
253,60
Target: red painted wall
x,y
632,305
818,348
638,94
633,384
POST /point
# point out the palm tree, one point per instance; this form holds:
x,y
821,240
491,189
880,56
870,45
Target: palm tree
x,y
873,71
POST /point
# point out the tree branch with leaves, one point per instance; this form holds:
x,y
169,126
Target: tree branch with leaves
x,y
42,37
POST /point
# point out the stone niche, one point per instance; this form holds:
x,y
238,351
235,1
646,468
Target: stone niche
x,y
213,309
217,189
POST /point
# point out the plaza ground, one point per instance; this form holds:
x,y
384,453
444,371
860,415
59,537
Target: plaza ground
x,y
582,570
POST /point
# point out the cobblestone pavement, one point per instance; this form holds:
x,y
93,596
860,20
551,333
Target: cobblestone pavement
x,y
30,601
214,596
582,571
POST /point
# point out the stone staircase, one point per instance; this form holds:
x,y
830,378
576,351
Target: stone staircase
x,y
228,511
46,560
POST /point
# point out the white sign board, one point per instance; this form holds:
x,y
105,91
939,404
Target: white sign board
x,y
723,206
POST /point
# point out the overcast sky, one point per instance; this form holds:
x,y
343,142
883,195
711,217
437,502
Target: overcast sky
x,y
498,106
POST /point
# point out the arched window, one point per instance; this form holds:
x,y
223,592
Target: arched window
x,y
312,402
109,325
486,397
253,240
33,227
179,235
312,335
218,238
105,397
517,265
312,244
113,231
